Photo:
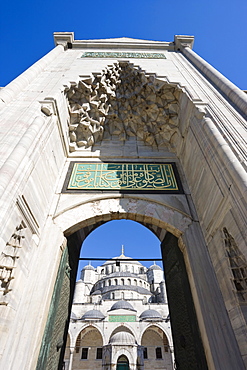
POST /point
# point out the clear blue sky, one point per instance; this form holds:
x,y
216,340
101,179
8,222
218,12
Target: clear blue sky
x,y
219,27
107,240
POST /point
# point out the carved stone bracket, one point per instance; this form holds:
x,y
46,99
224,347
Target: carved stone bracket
x,y
122,101
8,260
238,265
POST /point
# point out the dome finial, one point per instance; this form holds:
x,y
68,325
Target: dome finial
x,y
122,250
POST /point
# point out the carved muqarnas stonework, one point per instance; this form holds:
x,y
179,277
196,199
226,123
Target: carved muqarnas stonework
x,y
8,260
238,265
122,101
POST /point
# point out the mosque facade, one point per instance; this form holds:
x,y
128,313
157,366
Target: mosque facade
x,y
120,318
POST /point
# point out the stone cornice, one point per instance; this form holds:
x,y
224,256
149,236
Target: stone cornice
x,y
67,40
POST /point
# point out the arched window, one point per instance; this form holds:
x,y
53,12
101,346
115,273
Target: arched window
x,y
122,281
140,282
109,282
115,281
129,282
113,295
135,282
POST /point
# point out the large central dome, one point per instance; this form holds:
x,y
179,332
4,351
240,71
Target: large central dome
x,y
123,258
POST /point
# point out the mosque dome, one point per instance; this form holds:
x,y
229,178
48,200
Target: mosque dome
x,y
94,315
155,267
122,305
122,337
122,257
150,315
88,267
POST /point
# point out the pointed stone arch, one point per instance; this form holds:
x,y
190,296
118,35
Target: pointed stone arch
x,y
155,214
155,326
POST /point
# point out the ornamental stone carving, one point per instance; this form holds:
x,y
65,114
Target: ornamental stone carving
x,y
8,260
122,101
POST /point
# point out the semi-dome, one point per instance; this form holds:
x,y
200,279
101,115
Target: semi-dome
x,y
93,315
150,315
122,305
96,292
122,337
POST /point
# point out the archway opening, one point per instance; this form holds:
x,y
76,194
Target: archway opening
x,y
107,240
157,350
122,363
163,234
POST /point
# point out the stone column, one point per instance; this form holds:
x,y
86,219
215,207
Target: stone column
x,y
71,358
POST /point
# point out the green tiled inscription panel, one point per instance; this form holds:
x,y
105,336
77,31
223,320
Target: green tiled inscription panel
x,y
122,318
123,176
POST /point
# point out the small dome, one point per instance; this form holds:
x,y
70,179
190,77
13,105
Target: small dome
x,y
96,292
93,315
155,267
122,337
122,305
88,267
150,315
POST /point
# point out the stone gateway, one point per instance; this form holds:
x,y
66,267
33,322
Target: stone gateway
x,y
101,130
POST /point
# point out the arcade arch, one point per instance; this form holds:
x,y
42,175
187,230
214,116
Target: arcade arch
x,y
156,348
88,346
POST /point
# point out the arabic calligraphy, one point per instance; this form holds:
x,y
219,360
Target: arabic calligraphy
x,y
122,318
122,176
122,55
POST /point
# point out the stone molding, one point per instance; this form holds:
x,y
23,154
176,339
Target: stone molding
x,y
182,41
124,43
9,92
71,220
233,93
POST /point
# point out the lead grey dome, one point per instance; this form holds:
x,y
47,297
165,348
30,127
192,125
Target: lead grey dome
x,y
88,267
154,267
150,315
94,315
122,305
122,337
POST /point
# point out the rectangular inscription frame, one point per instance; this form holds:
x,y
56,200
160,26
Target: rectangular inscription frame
x,y
67,188
122,318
